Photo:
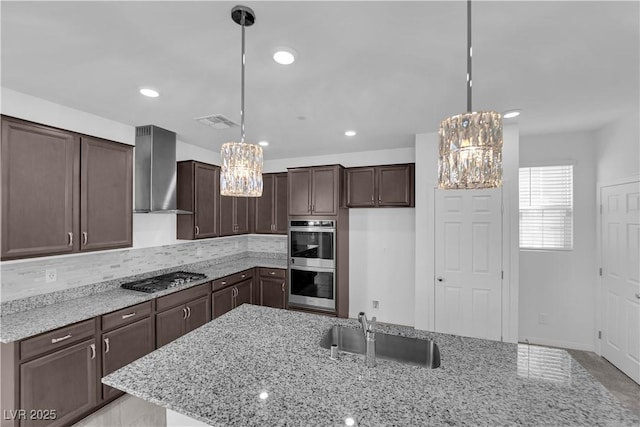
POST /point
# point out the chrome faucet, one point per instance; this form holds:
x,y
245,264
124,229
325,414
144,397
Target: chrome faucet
x,y
368,328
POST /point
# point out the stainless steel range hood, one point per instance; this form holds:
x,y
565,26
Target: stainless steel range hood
x,y
155,158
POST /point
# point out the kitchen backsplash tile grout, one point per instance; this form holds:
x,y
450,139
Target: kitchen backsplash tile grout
x,y
24,282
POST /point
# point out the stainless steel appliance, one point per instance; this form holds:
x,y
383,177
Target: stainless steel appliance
x,y
162,282
312,263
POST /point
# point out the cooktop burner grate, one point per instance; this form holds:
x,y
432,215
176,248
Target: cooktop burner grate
x,y
162,282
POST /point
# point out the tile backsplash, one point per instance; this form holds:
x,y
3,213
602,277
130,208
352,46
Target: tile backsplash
x,y
27,278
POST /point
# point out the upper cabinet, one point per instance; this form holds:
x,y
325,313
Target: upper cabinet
x,y
198,189
314,190
62,192
380,186
234,215
271,208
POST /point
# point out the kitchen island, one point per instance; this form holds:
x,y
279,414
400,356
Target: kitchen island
x,y
264,367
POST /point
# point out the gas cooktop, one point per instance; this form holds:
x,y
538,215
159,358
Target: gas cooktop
x,y
165,281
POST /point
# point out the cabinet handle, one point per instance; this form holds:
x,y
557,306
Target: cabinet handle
x,y
55,340
282,286
197,230
106,345
93,351
379,198
223,282
84,238
188,312
272,273
70,239
243,276
372,197
184,313
126,316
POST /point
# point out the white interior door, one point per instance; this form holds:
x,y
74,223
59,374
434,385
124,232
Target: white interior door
x,y
468,263
621,276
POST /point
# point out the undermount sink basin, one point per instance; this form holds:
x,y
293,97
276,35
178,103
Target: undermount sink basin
x,y
413,351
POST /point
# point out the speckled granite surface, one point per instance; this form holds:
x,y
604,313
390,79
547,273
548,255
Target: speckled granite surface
x,y
216,373
108,296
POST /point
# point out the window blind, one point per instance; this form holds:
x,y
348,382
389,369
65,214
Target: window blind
x,y
546,207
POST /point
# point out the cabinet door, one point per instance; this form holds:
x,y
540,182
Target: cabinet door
x,y
222,301
395,185
226,216
198,313
206,198
244,293
170,325
325,191
124,345
272,292
299,182
106,200
280,218
264,206
40,168
360,185
64,381
241,215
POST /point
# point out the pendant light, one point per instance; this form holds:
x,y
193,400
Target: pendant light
x,y
471,142
241,171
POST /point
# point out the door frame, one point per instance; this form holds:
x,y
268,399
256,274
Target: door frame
x,y
599,285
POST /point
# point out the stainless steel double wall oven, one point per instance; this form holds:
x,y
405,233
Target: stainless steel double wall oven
x,y
312,264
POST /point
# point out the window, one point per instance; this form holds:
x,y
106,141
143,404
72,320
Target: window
x,y
546,207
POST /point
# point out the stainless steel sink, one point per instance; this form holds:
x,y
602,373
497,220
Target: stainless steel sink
x,y
413,351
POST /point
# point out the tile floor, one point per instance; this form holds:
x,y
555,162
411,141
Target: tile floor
x,y
129,411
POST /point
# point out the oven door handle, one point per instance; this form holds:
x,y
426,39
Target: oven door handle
x,y
313,229
318,269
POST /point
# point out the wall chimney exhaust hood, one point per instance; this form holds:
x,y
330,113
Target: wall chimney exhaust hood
x,y
155,159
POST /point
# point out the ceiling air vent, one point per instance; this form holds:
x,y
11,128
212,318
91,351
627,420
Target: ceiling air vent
x,y
216,121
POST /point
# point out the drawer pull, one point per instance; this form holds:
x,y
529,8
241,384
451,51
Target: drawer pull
x,y
223,282
106,345
243,276
126,316
93,351
272,273
55,340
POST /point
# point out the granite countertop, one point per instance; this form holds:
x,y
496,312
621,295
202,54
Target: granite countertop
x,y
216,373
30,322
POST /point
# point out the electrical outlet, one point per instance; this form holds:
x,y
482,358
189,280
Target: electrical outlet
x,y
543,318
51,275
376,304
198,251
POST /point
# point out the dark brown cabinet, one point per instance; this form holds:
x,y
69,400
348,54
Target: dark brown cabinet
x,y
314,190
380,186
63,192
231,292
272,287
63,383
181,313
271,208
198,192
106,199
234,215
124,345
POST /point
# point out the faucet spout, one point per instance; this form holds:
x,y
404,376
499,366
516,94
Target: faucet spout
x,y
368,328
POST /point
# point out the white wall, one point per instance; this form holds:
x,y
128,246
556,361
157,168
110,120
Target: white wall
x,y
381,242
426,180
618,149
561,285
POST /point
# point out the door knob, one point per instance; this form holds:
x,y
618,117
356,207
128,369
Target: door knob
x,y
440,279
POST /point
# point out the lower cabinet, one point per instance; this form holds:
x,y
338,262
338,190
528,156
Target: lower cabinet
x,y
272,287
231,292
177,321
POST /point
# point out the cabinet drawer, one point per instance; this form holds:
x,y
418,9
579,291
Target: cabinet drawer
x,y
126,315
273,272
232,279
182,297
57,339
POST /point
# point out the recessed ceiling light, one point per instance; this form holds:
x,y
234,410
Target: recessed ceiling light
x,y
284,55
511,114
350,133
149,92
263,143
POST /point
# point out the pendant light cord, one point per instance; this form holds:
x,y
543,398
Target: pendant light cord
x,y
242,23
469,53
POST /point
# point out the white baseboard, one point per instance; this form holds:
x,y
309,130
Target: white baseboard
x,y
557,343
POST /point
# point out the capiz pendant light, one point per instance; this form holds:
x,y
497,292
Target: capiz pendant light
x,y
470,143
241,171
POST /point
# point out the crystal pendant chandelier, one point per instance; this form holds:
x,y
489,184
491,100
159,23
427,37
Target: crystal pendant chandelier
x,y
471,142
241,171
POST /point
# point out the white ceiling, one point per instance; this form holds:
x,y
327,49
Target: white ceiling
x,y
386,69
